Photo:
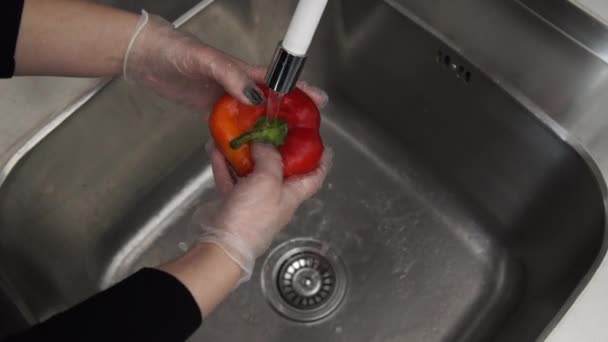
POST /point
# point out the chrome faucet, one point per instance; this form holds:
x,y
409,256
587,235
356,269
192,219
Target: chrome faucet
x,y
290,56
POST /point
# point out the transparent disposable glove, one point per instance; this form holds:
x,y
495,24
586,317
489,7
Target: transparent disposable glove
x,y
255,208
178,66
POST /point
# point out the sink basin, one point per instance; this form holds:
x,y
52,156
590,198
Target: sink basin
x,y
453,211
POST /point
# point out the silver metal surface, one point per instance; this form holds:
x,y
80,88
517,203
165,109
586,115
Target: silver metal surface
x,y
559,70
304,280
284,70
462,210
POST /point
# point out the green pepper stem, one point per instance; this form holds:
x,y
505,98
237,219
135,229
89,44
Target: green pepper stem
x,y
244,139
266,130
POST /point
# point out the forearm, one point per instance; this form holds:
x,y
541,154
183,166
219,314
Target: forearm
x,y
150,306
72,38
208,273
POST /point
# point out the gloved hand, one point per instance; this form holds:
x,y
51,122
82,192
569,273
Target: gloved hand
x,y
257,207
178,66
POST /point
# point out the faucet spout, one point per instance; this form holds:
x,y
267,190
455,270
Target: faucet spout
x,y
290,56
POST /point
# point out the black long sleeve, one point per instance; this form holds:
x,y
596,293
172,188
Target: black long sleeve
x,y
10,20
151,305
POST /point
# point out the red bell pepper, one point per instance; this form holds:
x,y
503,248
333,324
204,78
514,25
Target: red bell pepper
x,y
295,132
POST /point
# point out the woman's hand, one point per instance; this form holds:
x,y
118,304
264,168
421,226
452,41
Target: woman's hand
x,y
238,230
178,66
255,208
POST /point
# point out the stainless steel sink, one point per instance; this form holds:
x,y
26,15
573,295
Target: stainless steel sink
x,y
456,213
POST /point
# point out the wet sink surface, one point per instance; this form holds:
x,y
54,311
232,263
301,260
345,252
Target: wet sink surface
x,y
457,214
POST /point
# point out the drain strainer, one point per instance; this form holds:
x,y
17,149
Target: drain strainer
x,y
304,280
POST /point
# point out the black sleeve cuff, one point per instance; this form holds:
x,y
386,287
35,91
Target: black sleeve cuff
x,y
151,305
10,20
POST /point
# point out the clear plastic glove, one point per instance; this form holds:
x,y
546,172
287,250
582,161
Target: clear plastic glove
x,y
178,66
257,207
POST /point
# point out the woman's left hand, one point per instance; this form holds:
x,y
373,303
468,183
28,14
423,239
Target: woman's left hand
x,y
180,67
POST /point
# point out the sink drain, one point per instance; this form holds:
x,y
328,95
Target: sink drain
x,y
304,280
